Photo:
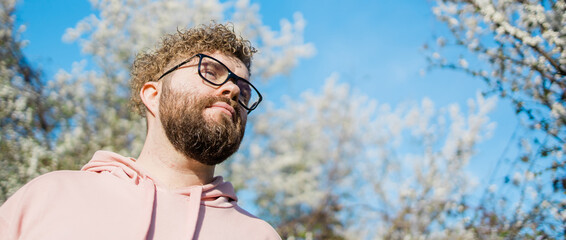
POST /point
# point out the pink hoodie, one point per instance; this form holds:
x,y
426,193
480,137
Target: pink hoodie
x,y
112,198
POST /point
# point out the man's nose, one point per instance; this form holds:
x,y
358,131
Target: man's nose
x,y
230,90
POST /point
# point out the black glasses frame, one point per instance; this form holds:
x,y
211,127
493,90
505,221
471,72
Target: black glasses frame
x,y
231,75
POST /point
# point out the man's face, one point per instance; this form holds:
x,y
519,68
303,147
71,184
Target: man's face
x,y
202,121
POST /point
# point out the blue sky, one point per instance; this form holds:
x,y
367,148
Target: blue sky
x,y
375,46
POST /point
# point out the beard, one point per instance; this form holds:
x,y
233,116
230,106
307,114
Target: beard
x,y
206,141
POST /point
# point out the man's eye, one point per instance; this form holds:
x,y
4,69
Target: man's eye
x,y
245,97
244,92
209,74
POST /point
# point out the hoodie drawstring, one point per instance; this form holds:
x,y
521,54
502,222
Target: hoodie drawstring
x,y
194,203
149,203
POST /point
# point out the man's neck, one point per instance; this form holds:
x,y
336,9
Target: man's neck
x,y
170,167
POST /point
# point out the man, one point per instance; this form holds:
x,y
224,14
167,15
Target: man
x,y
195,94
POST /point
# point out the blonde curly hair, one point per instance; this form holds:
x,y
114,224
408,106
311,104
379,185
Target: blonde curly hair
x,y
148,66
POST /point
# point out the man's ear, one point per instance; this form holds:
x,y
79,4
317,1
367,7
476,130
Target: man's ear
x,y
149,95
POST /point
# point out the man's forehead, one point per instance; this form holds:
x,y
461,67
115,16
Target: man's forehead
x,y
228,59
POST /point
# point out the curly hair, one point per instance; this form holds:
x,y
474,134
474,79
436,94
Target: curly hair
x,y
183,44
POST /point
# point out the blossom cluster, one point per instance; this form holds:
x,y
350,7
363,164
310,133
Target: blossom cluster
x,y
388,171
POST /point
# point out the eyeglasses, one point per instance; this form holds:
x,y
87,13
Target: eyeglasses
x,y
216,73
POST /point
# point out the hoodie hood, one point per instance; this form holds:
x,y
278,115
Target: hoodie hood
x,y
216,194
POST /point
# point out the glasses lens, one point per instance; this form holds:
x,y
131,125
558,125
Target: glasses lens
x,y
217,73
213,71
248,94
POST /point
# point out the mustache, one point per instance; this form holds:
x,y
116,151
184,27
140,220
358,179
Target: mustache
x,y
211,100
214,99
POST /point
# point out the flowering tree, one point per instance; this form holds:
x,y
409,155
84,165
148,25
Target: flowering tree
x,y
349,167
519,49
120,30
92,98
25,120
330,165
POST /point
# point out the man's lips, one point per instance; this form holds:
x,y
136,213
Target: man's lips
x,y
225,107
